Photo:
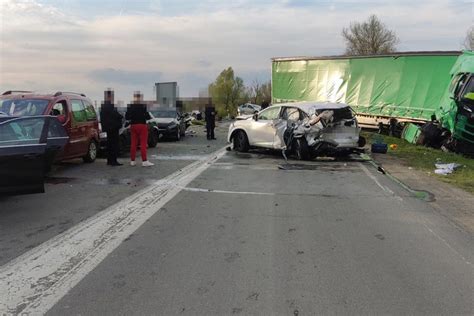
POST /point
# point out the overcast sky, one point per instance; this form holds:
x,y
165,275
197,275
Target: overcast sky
x,y
89,45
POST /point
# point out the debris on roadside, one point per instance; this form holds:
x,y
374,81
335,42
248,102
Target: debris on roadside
x,y
191,133
446,168
379,148
378,145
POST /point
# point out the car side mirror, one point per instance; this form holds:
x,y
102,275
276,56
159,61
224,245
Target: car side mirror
x,y
255,116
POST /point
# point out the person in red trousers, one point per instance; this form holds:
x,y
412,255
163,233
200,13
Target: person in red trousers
x,y
137,114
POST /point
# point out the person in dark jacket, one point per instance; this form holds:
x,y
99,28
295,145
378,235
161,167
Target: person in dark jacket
x,y
210,114
111,121
137,114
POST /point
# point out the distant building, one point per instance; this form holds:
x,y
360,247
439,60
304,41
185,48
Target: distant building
x,y
167,93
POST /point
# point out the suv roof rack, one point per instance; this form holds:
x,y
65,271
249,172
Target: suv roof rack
x,y
67,92
15,91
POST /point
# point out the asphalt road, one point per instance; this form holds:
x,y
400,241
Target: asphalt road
x,y
76,191
232,234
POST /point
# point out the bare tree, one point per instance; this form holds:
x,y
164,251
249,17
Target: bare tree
x,y
369,38
267,92
255,90
469,40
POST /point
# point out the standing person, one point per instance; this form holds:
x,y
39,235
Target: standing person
x,y
137,114
210,122
111,121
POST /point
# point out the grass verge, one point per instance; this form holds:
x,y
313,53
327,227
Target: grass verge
x,y
424,159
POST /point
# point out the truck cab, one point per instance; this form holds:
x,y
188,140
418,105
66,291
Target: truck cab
x,y
457,110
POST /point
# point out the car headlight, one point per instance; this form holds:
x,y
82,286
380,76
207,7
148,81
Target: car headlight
x,y
103,135
172,125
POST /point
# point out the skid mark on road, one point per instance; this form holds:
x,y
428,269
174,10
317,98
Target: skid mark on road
x,y
35,281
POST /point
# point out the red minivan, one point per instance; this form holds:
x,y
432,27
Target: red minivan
x,y
74,110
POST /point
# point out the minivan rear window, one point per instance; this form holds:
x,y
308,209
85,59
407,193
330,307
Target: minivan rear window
x,y
78,111
23,107
90,112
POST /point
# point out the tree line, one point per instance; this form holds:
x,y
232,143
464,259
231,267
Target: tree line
x,y
228,91
370,37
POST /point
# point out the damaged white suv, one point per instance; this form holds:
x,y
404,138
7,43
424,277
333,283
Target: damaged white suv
x,y
306,129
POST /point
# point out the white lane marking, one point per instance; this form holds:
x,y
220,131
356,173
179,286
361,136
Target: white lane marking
x,y
424,224
447,244
224,191
178,157
37,280
371,176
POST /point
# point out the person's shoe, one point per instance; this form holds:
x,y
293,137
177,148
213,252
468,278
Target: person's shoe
x,y
114,164
147,164
133,163
213,138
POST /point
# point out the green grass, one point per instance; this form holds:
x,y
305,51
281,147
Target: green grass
x,y
424,159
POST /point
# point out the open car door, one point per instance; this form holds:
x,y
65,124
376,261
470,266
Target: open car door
x,y
23,147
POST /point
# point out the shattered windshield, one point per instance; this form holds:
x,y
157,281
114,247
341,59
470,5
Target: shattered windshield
x,y
164,113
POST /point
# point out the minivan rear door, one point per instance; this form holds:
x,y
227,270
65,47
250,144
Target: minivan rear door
x,y
79,139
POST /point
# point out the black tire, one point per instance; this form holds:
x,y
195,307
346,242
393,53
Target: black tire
x,y
342,153
301,149
153,139
431,135
91,152
362,141
241,142
380,128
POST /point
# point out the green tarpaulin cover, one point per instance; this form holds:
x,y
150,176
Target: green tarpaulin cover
x,y
406,86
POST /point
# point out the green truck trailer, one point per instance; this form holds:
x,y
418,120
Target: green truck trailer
x,y
389,91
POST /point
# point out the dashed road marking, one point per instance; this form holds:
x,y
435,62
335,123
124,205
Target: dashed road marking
x,y
34,282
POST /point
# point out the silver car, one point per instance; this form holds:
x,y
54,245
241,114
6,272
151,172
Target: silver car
x,y
248,109
306,129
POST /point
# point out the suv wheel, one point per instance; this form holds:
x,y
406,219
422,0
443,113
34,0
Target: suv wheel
x,y
241,142
153,139
91,152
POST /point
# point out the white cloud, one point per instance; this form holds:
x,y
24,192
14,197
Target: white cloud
x,y
46,49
